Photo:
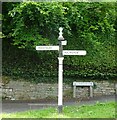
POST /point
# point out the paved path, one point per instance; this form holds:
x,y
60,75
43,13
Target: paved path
x,y
10,107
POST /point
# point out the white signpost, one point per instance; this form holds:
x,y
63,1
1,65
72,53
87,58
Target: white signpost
x,y
60,58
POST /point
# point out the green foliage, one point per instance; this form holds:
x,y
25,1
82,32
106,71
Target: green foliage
x,y
29,65
28,27
89,26
83,20
43,66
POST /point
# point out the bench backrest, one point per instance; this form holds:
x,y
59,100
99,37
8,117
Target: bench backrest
x,y
83,84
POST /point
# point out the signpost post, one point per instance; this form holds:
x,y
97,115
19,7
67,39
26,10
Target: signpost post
x,y
61,58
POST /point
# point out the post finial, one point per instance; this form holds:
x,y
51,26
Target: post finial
x,y
60,34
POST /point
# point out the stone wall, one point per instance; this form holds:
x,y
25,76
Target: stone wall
x,y
21,90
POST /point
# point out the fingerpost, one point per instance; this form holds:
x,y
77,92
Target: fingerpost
x,y
60,59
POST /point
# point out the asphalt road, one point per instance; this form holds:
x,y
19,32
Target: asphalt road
x,y
14,106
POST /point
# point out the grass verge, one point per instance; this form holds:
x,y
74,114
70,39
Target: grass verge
x,y
98,110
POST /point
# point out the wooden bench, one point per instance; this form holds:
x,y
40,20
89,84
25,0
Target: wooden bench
x,y
83,84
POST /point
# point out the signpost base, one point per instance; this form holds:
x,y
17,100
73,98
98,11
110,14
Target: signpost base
x,y
60,109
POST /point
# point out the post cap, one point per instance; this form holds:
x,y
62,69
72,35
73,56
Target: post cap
x,y
60,34
60,29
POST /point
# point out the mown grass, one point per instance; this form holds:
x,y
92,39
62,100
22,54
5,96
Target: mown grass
x,y
98,110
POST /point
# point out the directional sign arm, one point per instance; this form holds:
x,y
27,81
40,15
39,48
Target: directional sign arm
x,y
47,48
74,52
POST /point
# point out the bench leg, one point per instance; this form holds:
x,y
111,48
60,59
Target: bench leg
x,y
74,91
91,91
